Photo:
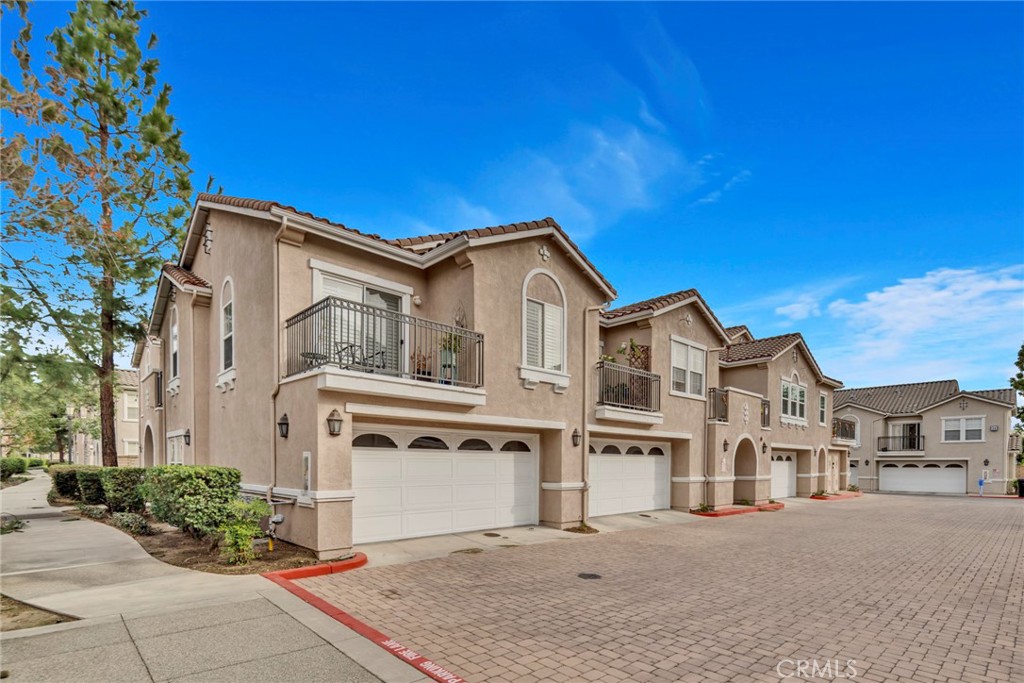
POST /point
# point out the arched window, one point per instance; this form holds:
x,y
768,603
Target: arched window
x,y
543,322
591,449
429,443
954,466
655,451
174,342
373,441
611,450
515,447
889,464
634,450
227,325
856,429
475,445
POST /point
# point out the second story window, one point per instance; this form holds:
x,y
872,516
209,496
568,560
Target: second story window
x,y
822,408
794,401
544,335
131,406
227,326
174,342
963,429
688,362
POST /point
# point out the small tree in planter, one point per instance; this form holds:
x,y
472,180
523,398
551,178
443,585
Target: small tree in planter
x,y
451,346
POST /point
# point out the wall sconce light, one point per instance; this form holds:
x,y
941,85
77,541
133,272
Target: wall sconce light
x,y
725,446
334,423
576,437
764,446
986,461
867,462
188,437
282,426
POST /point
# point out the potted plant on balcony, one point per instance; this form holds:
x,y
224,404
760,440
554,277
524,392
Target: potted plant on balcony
x,y
450,344
422,365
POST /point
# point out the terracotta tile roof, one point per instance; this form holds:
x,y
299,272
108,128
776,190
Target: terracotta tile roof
x,y
653,304
127,378
737,330
899,399
185,277
266,205
999,395
766,348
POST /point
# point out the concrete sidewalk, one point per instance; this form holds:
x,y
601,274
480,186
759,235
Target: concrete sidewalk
x,y
144,620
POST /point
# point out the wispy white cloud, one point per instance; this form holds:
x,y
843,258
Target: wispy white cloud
x,y
715,195
792,304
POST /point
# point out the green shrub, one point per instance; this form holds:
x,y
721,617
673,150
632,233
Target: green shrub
x,y
134,524
35,462
194,498
90,485
12,465
122,487
65,480
241,529
93,511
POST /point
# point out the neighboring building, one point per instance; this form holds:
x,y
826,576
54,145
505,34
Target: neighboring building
x,y
382,389
930,437
85,450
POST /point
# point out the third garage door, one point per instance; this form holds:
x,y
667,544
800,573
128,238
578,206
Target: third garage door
x,y
922,477
628,477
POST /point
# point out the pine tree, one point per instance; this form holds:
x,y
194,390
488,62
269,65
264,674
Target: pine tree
x,y
96,186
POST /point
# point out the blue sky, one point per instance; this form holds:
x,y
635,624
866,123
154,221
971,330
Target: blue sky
x,y
851,171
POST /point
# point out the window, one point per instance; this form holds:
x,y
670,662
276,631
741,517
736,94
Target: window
x,y
131,447
131,406
963,429
822,408
175,450
794,401
428,443
544,333
227,326
515,447
174,342
373,441
687,367
475,445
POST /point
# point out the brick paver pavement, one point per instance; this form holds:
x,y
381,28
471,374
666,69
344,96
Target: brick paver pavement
x,y
912,588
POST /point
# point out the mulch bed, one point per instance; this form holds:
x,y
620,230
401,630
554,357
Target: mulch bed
x,y
16,615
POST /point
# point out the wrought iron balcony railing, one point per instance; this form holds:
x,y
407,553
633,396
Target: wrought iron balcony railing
x,y
718,405
907,442
621,386
845,430
354,336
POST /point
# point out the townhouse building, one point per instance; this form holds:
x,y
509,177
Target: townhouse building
x,y
930,437
85,449
377,389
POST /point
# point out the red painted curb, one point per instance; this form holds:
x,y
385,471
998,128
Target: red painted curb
x,y
839,496
726,513
770,507
284,579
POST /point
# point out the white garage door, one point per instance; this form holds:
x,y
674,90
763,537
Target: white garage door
x,y
854,474
923,477
410,484
783,476
628,478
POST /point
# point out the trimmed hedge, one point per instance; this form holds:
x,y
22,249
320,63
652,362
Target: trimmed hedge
x,y
134,524
194,498
65,480
12,465
90,485
122,488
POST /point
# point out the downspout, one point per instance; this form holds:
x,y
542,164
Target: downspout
x,y
585,443
709,458
276,365
195,372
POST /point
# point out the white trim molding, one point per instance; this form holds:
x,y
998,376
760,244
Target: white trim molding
x,y
359,277
637,432
327,496
441,417
687,480
562,485
336,379
801,475
721,480
759,477
226,380
533,376
628,415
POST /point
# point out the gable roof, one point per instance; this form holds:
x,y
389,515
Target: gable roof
x,y
739,330
770,348
659,304
899,399
126,378
911,399
183,277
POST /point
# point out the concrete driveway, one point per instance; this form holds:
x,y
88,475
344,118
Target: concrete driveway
x,y
882,588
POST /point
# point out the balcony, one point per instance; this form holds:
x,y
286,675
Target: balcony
x,y
718,405
844,430
905,442
628,394
358,338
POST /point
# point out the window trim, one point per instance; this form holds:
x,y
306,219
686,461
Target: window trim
x,y
175,358
822,409
124,404
224,303
793,381
530,374
674,338
124,445
963,428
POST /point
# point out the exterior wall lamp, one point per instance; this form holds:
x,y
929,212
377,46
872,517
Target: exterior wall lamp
x,y
282,426
764,446
576,437
188,437
986,462
334,423
725,446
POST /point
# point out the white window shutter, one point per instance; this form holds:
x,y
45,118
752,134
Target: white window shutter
x,y
534,316
552,337
345,339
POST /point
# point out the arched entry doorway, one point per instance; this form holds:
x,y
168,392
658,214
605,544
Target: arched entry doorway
x,y
148,448
745,469
823,471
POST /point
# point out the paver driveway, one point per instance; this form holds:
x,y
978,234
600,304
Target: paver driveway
x,y
912,588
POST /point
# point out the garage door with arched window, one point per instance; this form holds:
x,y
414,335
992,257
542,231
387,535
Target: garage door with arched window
x,y
628,477
923,477
410,483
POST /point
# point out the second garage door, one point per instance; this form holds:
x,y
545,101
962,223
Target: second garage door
x,y
922,477
783,475
628,478
410,484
